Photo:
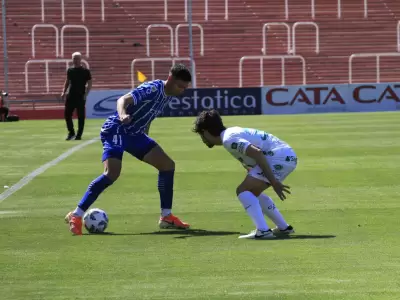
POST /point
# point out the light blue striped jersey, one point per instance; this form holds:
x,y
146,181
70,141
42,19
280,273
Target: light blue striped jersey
x,y
149,100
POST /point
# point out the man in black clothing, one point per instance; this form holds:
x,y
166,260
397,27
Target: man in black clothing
x,y
3,109
79,82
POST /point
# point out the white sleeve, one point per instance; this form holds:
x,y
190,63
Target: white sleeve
x,y
236,144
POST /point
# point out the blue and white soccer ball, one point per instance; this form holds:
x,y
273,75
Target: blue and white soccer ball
x,y
95,220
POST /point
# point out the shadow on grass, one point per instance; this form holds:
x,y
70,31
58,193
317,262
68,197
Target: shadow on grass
x,y
183,234
305,237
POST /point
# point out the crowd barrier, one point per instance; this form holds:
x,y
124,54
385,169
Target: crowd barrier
x,y
253,101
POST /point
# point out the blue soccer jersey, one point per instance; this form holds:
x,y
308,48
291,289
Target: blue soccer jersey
x,y
149,101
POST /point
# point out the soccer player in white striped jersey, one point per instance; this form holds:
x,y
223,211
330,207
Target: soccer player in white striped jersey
x,y
126,131
268,160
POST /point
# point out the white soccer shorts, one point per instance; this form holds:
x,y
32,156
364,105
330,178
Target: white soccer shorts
x,y
282,161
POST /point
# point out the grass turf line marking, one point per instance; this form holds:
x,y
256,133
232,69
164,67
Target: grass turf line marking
x,y
9,212
28,178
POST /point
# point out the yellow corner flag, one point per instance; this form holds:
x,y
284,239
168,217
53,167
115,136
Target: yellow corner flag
x,y
141,76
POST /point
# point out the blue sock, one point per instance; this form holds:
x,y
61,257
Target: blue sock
x,y
94,190
166,188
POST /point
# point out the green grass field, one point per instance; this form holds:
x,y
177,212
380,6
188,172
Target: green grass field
x,y
345,206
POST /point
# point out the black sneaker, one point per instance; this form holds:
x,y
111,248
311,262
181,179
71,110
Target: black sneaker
x,y
70,137
78,138
288,230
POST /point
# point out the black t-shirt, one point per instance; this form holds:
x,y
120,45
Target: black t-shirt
x,y
78,77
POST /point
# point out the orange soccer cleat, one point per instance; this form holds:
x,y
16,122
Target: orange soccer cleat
x,y
171,221
75,223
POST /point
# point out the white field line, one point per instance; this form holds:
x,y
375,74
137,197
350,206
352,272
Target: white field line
x,y
28,178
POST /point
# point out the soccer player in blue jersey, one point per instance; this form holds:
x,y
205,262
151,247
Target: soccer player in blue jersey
x,y
126,131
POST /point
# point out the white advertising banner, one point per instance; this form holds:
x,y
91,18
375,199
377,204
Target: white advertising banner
x,y
103,103
330,98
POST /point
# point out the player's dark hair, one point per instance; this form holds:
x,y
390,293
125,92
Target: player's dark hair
x,y
209,120
179,71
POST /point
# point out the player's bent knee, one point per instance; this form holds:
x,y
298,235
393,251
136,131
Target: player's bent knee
x,y
243,188
159,159
253,185
169,165
166,165
113,175
240,189
112,168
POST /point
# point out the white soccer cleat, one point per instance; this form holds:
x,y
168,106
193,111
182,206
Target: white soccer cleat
x,y
279,232
258,235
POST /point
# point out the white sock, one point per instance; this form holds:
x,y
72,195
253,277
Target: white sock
x,y
268,207
165,212
253,209
78,212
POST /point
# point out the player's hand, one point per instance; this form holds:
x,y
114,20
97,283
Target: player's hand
x,y
63,96
125,119
280,189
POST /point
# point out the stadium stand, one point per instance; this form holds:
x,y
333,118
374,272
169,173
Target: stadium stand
x,y
248,43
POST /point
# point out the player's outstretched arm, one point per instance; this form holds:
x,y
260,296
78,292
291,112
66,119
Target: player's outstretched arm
x,y
122,104
256,153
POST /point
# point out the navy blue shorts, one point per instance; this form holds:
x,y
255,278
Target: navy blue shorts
x,y
114,145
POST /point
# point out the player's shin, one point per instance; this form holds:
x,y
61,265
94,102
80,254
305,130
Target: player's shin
x,y
95,188
253,209
166,190
272,212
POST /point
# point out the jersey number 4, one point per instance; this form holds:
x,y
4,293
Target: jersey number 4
x,y
117,140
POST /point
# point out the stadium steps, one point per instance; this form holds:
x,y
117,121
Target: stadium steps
x,y
121,38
